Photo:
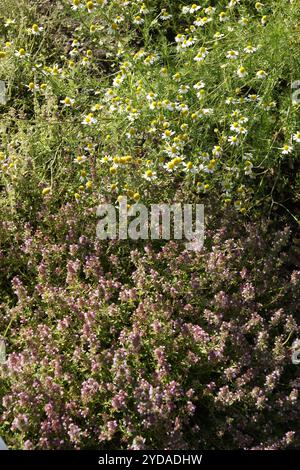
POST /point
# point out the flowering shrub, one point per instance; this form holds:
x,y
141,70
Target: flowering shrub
x,y
138,96
122,344
173,349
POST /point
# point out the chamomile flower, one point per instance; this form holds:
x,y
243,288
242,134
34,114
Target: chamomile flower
x,y
183,89
194,8
149,175
217,151
9,22
259,6
264,20
179,38
233,140
286,149
67,102
203,52
164,15
209,10
250,49
21,53
232,54
296,137
177,77
76,4
151,59
90,147
223,16
199,85
186,43
261,74
89,120
248,167
167,134
138,20
189,167
55,70
80,159
144,10
235,127
32,86
242,72
206,111
233,3
36,29
202,21
218,35
244,21
90,6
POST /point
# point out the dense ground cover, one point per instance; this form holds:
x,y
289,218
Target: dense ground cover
x,y
123,344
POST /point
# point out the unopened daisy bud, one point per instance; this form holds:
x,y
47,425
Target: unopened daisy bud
x,y
89,185
46,191
2,54
136,196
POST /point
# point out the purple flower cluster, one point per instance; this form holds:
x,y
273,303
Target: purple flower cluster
x,y
172,349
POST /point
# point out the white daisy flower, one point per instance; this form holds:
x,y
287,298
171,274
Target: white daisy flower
x,y
89,119
233,140
80,159
183,89
149,175
138,20
217,151
203,52
199,85
67,101
202,21
36,29
241,72
232,54
296,137
250,49
286,149
261,74
194,8
21,53
167,134
164,15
